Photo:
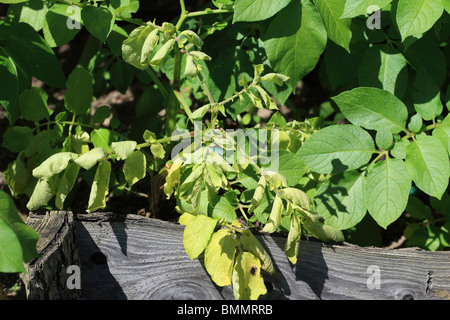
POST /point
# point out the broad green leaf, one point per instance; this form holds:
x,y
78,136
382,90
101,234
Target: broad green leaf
x,y
340,200
197,235
385,68
373,108
99,21
219,257
101,114
18,240
252,245
33,104
324,232
26,46
354,8
293,240
122,75
275,215
446,5
56,26
54,164
248,283
415,124
41,195
387,190
17,138
135,167
337,148
225,207
426,96
140,43
425,55
102,138
9,90
31,12
100,187
123,148
294,41
415,17
428,165
338,29
257,10
80,90
399,149
291,167
162,52
91,158
443,134
66,184
200,112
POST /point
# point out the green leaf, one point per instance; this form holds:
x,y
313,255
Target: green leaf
x,y
197,234
338,29
135,167
385,68
291,166
399,149
248,283
428,165
200,112
102,138
54,164
158,150
426,56
294,41
140,43
252,245
18,240
31,12
98,21
277,78
443,134
162,52
373,108
415,17
80,90
17,138
25,46
297,197
33,104
426,96
13,1
219,257
9,90
275,216
258,194
55,26
101,114
41,195
257,10
90,158
66,184
354,8
123,148
293,240
100,187
17,176
324,232
384,138
340,200
446,5
387,191
225,207
415,124
337,148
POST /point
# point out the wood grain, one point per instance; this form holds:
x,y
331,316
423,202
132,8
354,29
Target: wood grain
x,y
138,258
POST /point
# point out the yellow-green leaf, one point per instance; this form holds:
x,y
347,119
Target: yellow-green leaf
x,y
219,257
248,283
123,148
54,164
197,234
100,187
135,167
91,158
275,215
293,241
252,244
257,196
158,150
297,197
41,195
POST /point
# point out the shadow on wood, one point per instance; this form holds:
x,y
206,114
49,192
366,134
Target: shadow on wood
x,y
136,258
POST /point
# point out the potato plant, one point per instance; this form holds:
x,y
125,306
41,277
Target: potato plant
x,y
377,150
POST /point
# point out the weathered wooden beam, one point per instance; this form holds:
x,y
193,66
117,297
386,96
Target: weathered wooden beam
x,y
132,257
47,276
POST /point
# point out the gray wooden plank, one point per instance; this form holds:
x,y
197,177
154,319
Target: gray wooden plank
x,y
145,259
